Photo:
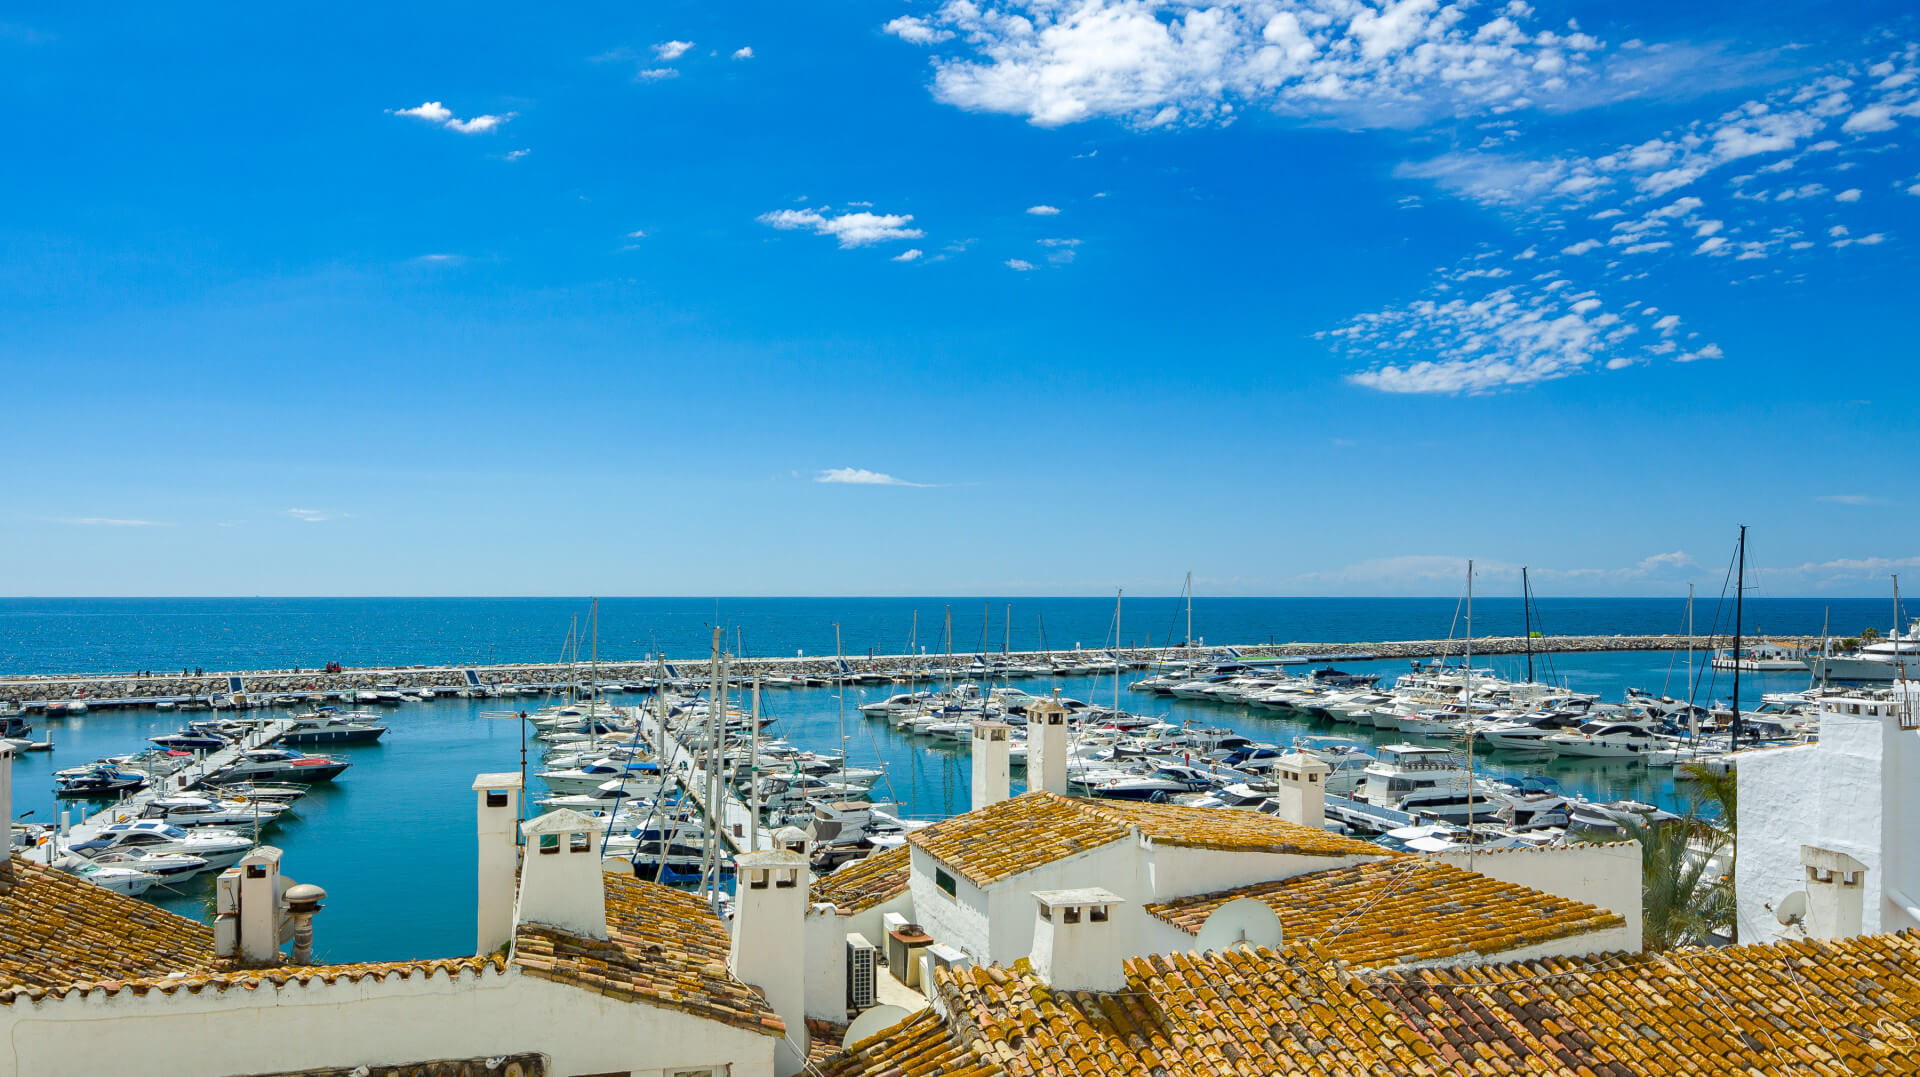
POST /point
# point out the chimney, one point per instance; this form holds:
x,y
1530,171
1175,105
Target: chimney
x,y
992,745
1047,747
1075,944
826,978
303,900
498,823
770,941
247,919
1836,893
1302,795
561,884
6,805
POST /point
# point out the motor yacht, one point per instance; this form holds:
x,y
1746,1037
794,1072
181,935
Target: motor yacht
x,y
327,726
121,880
169,867
1603,740
639,777
282,765
1165,781
188,810
98,781
1428,780
219,848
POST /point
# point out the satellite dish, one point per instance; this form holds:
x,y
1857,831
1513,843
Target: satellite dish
x,y
876,1020
1242,922
1791,909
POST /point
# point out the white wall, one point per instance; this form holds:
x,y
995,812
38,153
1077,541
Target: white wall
x,y
1173,871
826,975
1604,875
1827,794
370,1022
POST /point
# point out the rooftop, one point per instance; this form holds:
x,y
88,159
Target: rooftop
x,y
57,931
1017,835
1408,908
866,882
663,948
1851,1006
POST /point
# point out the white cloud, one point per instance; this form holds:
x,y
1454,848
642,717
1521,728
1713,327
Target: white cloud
x,y
515,155
436,113
1020,265
656,74
1851,194
1869,120
911,254
1581,247
311,516
638,233
851,229
1848,499
859,476
669,51
744,52
1043,211
916,30
105,521
1152,62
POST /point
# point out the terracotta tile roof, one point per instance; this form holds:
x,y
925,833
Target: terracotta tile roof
x,y
866,882
920,1046
1033,829
1825,1008
1408,908
280,976
57,930
664,948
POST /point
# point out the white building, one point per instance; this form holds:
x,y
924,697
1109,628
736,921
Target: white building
x,y
1829,833
600,974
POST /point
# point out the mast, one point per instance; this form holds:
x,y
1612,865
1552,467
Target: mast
x,y
1466,693
708,851
1693,716
753,771
840,700
1899,650
1526,617
1006,627
1739,595
1118,594
1189,609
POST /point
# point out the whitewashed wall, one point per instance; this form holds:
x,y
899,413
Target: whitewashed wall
x,y
1603,875
365,1023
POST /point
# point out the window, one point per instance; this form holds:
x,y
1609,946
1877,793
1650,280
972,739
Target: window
x,y
944,881
496,798
1097,914
579,843
1072,915
549,844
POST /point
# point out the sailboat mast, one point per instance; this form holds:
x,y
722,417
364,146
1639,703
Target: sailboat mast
x,y
840,698
1739,596
753,771
708,852
1466,694
1118,594
1526,617
1189,609
1006,627
1693,716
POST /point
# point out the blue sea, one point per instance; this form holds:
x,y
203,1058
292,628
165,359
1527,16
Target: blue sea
x,y
57,635
394,835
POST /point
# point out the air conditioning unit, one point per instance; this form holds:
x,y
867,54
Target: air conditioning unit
x,y
863,970
940,956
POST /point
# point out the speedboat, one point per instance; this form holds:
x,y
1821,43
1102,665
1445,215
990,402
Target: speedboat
x,y
99,780
325,727
1166,781
1603,740
640,778
282,765
191,810
170,867
121,880
219,848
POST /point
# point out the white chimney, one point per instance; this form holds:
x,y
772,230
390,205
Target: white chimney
x,y
1075,943
247,915
992,748
770,941
1302,795
561,884
6,805
1836,893
497,822
1047,747
826,977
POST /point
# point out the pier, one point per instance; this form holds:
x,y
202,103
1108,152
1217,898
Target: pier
x,y
262,687
199,770
734,821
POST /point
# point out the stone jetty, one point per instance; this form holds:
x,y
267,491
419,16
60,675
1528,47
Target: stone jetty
x,y
110,689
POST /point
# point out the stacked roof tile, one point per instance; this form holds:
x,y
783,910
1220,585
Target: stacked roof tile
x,y
1825,1008
1017,835
57,931
866,882
1407,908
663,947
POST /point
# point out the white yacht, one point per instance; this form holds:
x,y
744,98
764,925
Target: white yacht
x,y
191,810
121,880
1894,658
219,848
1430,781
1605,739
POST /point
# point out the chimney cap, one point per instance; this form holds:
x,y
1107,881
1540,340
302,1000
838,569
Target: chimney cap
x,y
770,858
506,780
560,820
1305,763
1813,856
1078,898
304,897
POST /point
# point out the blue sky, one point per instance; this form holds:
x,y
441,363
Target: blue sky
x,y
1309,297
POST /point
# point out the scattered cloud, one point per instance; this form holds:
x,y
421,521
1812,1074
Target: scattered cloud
x,y
311,516
105,521
515,155
441,116
656,74
1849,499
859,476
911,254
441,259
857,229
1043,211
916,31
638,233
744,52
1851,194
1019,265
669,51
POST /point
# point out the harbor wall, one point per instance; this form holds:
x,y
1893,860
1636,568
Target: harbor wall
x,y
373,1020
106,687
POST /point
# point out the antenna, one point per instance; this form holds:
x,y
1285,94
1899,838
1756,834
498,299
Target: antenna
x,y
1240,923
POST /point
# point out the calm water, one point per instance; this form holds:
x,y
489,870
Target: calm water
x,y
393,837
99,635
